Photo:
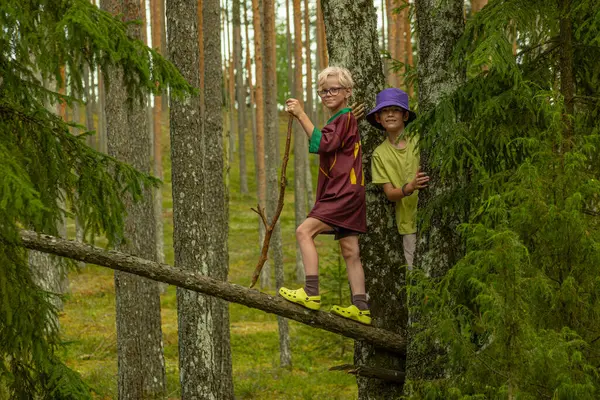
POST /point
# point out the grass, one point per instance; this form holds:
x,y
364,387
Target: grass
x,y
88,320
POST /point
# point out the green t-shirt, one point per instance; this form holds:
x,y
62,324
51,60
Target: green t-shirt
x,y
395,166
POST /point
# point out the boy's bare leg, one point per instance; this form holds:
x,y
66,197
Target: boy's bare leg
x,y
305,235
356,274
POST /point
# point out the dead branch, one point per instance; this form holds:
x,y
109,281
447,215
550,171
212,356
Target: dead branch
x,y
264,254
384,374
188,279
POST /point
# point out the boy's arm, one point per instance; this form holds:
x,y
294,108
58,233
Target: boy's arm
x,y
392,193
397,194
306,123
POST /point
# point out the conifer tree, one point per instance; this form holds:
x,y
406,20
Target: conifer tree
x,y
46,172
140,355
516,146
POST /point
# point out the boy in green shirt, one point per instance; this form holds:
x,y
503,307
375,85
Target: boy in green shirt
x,y
395,164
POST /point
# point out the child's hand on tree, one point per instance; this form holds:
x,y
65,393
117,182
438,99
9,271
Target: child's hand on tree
x,y
294,107
358,110
420,182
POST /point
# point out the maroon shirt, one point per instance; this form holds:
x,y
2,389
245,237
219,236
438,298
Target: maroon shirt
x,y
341,185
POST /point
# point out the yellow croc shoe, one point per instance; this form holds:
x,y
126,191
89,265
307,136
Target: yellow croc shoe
x,y
352,312
299,296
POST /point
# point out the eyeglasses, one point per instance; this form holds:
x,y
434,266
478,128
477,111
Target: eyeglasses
x,y
332,91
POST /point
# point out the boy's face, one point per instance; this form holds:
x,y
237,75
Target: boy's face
x,y
333,95
392,118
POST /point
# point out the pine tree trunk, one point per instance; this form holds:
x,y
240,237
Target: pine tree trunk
x,y
230,86
309,102
409,49
88,82
251,89
240,95
158,28
139,335
199,209
261,183
288,48
318,68
566,68
383,24
300,142
101,113
272,161
322,34
349,33
440,25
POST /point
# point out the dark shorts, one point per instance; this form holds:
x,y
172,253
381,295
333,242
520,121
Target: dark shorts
x,y
340,233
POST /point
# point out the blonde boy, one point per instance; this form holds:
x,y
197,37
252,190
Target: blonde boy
x,y
340,207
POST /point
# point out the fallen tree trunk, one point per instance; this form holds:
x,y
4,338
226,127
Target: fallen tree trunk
x,y
372,372
203,284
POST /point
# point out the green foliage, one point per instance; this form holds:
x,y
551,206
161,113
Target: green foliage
x,y
518,314
46,173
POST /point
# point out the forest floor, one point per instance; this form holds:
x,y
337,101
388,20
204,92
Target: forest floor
x,y
88,319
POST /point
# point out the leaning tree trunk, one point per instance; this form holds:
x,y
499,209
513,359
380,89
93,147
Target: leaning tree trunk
x,y
199,213
440,25
139,336
351,27
271,162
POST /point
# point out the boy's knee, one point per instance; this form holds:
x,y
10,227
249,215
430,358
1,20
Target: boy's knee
x,y
302,232
349,250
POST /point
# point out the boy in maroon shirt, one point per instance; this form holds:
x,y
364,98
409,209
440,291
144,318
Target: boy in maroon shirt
x,y
340,207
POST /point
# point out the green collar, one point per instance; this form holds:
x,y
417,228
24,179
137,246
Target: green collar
x,y
337,114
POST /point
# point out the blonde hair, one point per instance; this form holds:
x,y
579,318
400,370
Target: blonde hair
x,y
343,75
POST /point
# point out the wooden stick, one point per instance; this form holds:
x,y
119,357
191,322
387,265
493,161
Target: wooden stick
x,y
190,279
264,254
384,374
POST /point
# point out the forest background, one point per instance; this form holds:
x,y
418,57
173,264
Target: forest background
x,y
506,307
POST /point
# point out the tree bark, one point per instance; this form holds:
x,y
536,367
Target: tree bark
x,y
252,91
567,79
188,278
440,25
272,161
101,113
240,95
139,336
409,49
158,28
261,182
199,215
288,48
309,101
88,82
230,87
352,29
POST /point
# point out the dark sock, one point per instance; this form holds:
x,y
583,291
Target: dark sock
x,y
360,301
311,286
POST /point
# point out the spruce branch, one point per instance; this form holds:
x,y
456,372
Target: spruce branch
x,y
261,212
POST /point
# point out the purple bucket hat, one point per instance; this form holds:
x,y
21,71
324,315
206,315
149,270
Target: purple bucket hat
x,y
387,98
